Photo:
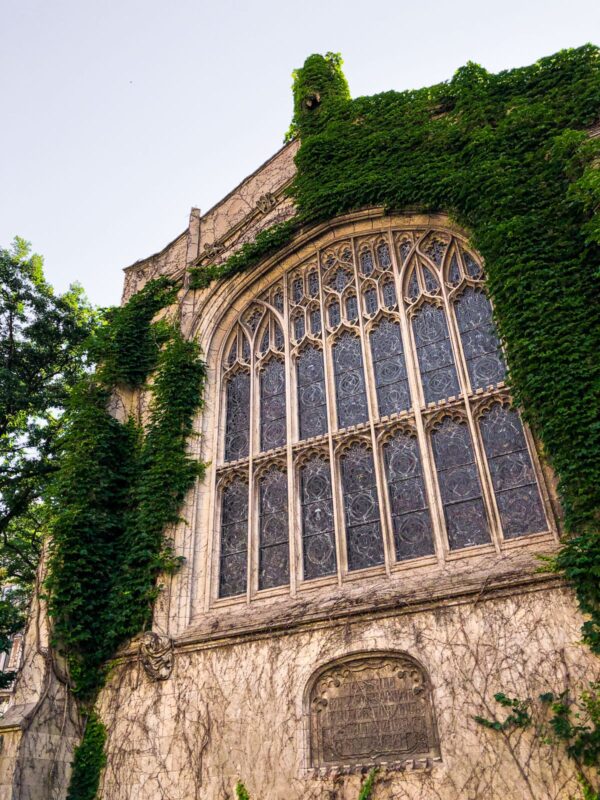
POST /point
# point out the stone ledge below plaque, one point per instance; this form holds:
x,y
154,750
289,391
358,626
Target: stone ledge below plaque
x,y
383,767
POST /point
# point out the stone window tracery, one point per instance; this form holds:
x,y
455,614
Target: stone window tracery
x,y
365,422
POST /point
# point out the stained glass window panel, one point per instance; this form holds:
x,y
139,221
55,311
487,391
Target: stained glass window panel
x,y
234,539
315,322
434,352
312,403
272,405
361,509
274,557
480,343
391,378
389,294
460,489
313,284
413,534
371,303
351,399
366,262
513,476
352,309
318,535
334,314
383,256
237,424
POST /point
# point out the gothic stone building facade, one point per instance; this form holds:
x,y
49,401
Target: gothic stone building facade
x,y
361,570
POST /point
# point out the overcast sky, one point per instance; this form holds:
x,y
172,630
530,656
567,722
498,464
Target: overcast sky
x,y
118,116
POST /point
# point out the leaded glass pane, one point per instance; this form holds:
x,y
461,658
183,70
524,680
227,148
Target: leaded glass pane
x,y
272,405
460,489
366,262
479,339
297,290
431,284
371,303
513,477
232,354
361,509
313,284
278,302
412,290
318,535
351,399
352,309
245,349
405,248
264,344
473,268
334,314
312,403
340,279
278,337
454,271
274,557
315,321
391,379
234,539
413,534
237,423
434,351
389,294
383,256
298,327
435,250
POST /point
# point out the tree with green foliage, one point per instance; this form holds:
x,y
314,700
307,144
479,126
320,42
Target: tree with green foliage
x,y
42,337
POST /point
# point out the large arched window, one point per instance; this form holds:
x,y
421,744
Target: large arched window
x,y
365,424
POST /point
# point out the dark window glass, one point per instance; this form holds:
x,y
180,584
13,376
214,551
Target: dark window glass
x,y
232,354
366,262
298,327
435,250
404,248
340,279
479,339
312,404
513,478
434,351
313,284
472,267
371,303
351,399
272,405
389,294
297,290
315,321
264,345
245,349
460,489
334,314
383,256
318,536
412,290
413,535
278,302
431,284
352,309
234,539
361,509
274,557
237,425
454,271
278,337
391,379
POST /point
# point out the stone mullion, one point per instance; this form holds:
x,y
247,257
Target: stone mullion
x,y
291,412
368,374
336,497
414,382
487,492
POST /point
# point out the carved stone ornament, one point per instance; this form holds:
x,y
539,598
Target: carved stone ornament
x,y
266,202
212,250
371,709
156,655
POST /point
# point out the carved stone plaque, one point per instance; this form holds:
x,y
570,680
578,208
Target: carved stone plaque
x,y
371,709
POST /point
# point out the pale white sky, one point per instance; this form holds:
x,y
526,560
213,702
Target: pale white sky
x,y
117,116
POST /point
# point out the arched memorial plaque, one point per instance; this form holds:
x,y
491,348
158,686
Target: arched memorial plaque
x,y
370,709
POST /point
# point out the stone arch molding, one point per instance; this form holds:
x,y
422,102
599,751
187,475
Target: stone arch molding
x,y
370,708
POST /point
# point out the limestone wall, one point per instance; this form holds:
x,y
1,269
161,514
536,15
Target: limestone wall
x,y
236,709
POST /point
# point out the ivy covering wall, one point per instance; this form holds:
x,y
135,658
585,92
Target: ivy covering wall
x,y
510,159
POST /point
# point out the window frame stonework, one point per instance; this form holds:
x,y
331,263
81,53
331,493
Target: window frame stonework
x,y
420,420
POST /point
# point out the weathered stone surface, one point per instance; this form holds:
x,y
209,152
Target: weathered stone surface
x,y
240,709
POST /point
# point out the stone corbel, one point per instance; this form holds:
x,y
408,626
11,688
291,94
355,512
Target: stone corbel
x,y
156,655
